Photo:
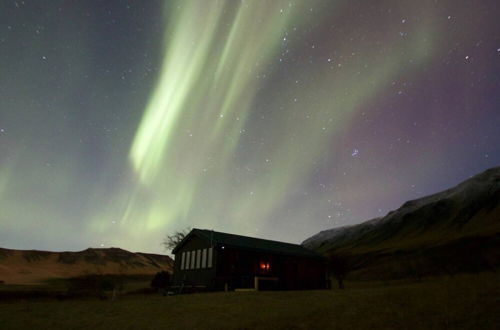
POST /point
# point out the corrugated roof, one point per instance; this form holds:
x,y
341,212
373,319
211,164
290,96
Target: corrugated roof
x,y
252,243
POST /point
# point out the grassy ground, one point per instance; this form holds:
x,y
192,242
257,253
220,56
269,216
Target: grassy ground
x,y
461,302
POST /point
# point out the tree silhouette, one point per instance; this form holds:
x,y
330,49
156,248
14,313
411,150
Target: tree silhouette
x,y
171,241
338,265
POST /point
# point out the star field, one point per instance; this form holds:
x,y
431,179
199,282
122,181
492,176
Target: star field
x,y
121,121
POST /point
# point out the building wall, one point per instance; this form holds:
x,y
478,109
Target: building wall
x,y
311,274
236,268
197,275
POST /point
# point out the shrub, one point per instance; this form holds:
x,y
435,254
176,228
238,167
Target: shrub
x,y
161,280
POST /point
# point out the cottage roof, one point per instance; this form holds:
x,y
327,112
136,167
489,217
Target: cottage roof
x,y
249,243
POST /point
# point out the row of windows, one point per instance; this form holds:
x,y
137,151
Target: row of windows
x,y
196,259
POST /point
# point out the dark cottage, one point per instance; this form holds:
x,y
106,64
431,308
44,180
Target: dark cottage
x,y
211,260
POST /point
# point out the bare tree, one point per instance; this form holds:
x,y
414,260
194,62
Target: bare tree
x,y
338,265
171,241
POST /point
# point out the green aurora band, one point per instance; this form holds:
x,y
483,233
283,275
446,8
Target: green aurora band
x,y
216,56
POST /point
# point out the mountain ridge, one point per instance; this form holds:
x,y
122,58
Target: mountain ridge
x,y
35,266
467,214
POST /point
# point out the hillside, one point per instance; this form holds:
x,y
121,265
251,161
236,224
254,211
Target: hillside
x,y
451,231
32,266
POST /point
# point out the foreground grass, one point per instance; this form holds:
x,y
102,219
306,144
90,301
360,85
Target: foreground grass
x,y
463,302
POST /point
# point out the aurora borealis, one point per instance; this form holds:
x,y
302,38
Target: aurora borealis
x,y
121,121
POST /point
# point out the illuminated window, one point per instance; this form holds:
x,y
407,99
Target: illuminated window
x,y
183,260
186,266
193,259
204,258
209,257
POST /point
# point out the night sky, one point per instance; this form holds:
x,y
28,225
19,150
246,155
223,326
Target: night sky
x,y
122,121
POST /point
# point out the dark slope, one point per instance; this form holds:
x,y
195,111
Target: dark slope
x,y
454,230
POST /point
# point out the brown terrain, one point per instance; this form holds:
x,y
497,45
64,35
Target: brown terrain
x,y
32,266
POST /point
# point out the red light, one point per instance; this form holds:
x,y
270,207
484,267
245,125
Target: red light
x,y
265,266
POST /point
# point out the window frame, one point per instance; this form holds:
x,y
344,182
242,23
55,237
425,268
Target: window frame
x,y
183,260
210,257
193,259
198,259
204,258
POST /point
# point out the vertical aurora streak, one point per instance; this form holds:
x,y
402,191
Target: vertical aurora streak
x,y
202,102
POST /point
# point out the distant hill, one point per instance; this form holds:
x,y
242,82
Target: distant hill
x,y
452,231
32,266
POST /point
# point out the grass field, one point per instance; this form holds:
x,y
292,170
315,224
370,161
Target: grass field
x,y
460,302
